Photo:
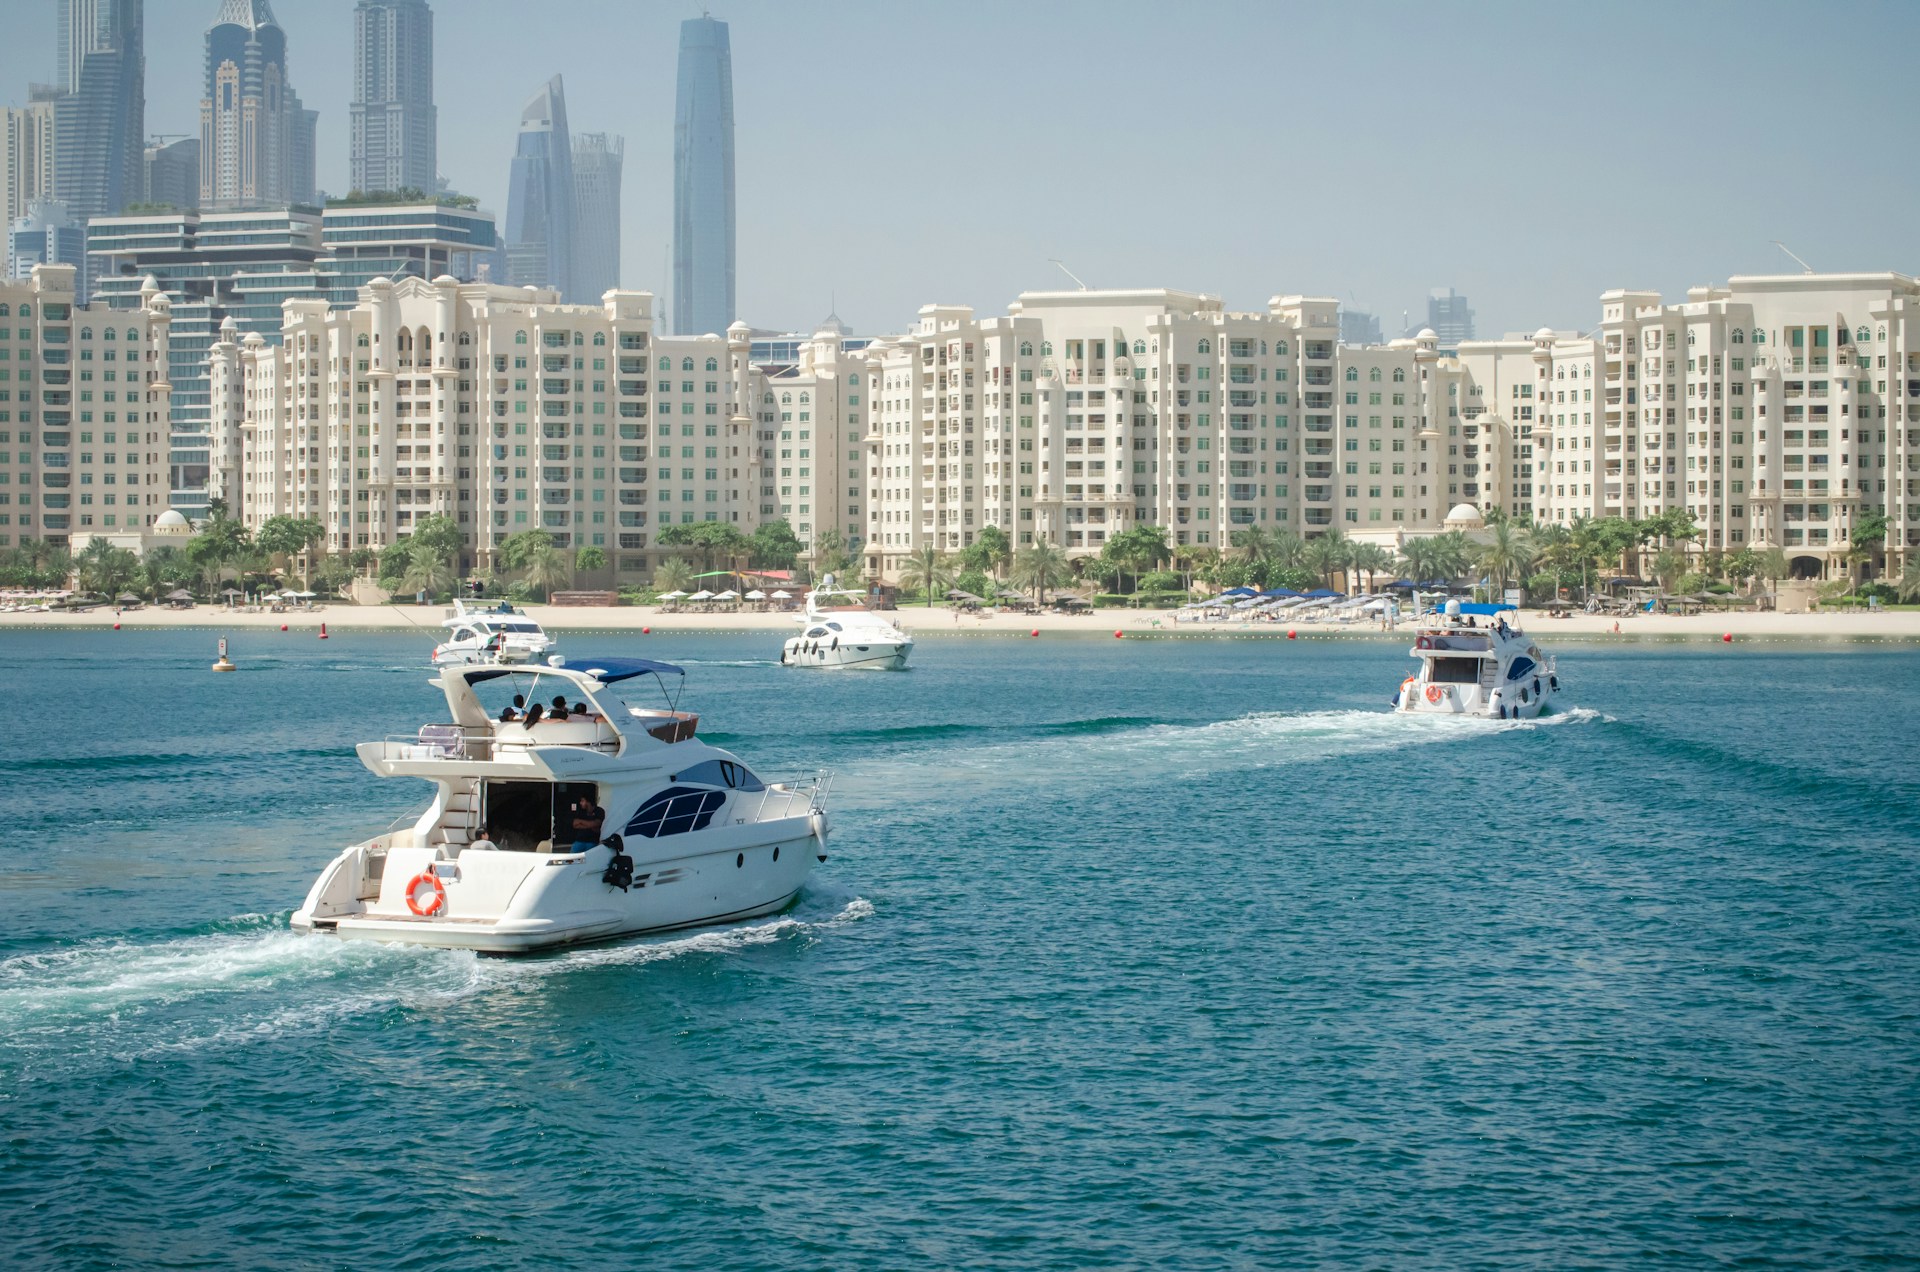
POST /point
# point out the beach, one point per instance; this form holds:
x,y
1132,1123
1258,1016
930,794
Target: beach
x,y
1901,625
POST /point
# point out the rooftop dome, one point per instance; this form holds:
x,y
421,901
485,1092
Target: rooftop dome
x,y
740,325
1465,517
1545,333
1426,333
171,522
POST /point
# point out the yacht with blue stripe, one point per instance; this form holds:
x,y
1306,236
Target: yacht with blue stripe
x,y
592,818
1475,661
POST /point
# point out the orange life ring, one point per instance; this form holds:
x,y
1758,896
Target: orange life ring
x,y
1433,695
439,901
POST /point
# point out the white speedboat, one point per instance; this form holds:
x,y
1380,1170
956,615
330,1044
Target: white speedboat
x,y
839,631
490,632
1475,660
495,862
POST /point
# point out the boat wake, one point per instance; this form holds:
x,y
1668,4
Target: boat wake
x,y
250,979
1158,752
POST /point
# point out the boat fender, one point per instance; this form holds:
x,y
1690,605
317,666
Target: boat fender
x,y
619,871
1553,682
1433,693
1536,687
819,825
436,902
1523,695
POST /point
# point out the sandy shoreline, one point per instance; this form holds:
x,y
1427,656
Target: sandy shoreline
x,y
1896,626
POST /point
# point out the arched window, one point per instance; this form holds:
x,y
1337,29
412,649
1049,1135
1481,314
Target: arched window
x,y
1373,375
767,400
1759,336
686,364
1046,348
1861,336
1139,347
1399,375
4,311
86,333
805,397
108,333
1280,348
26,310
853,379
786,399
599,339
1739,336
1206,346
519,337
466,338
713,364
1026,348
666,364
1690,336
1881,336
133,334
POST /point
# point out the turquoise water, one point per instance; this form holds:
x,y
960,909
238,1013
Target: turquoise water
x,y
1129,954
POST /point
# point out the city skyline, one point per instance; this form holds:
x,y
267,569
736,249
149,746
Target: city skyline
x,y
1506,201
705,248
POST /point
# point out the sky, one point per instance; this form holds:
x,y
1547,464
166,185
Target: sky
x,y
895,154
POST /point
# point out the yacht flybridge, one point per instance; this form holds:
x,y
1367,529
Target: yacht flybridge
x,y
490,632
1475,660
505,858
838,631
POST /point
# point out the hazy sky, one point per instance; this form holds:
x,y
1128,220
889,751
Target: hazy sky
x,y
897,153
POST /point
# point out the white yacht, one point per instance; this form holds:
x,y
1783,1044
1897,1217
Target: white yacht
x,y
490,632
839,631
1475,660
495,862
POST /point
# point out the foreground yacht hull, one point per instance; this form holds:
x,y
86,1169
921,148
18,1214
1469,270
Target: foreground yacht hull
x,y
519,903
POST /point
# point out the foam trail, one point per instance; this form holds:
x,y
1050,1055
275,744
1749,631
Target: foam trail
x,y
1164,752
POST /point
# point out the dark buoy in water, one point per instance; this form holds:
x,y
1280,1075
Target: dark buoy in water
x,y
323,631
225,663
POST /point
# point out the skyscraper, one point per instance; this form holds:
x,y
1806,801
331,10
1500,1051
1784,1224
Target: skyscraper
x,y
100,116
1448,315
395,130
256,141
173,173
540,221
26,152
596,214
703,298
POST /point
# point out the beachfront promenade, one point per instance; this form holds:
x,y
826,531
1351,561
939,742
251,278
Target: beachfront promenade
x,y
1896,625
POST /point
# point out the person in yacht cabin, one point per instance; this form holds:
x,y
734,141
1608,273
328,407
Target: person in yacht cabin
x,y
588,817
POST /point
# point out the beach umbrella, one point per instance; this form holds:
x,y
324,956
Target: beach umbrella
x,y
783,596
674,595
756,595
701,595
231,591
728,595
126,596
180,594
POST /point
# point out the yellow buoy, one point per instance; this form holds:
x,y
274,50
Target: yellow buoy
x,y
225,663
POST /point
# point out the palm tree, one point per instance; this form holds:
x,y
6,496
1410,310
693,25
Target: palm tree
x,y
1506,554
428,572
1327,554
1373,560
927,569
1040,568
1909,584
675,574
545,567
105,569
1772,565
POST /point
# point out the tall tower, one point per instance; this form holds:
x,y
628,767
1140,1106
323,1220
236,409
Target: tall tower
x,y
703,295
395,129
101,115
256,141
540,220
596,214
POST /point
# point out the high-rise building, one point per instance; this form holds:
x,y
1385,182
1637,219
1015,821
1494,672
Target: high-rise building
x,y
116,479
173,173
703,265
46,235
540,219
596,214
100,118
26,153
1448,315
395,131
256,141
1357,327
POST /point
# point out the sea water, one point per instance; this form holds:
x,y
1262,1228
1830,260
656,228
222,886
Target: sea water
x,y
1128,954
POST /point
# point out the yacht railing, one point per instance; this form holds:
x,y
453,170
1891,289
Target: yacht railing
x,y
794,797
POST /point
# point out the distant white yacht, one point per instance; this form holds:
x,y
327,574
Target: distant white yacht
x,y
490,632
847,636
690,835
1475,660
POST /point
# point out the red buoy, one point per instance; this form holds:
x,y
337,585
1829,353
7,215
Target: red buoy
x,y
646,631
1290,633
1036,631
1726,639
1118,635
283,627
323,631
116,627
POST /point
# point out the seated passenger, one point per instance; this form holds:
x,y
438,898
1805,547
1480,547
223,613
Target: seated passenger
x,y
533,716
485,842
580,710
509,716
